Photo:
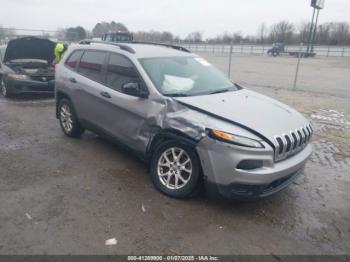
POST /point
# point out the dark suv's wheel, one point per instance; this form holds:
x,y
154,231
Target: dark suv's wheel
x,y
3,88
175,169
68,119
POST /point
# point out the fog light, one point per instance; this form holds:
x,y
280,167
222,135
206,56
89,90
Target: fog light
x,y
250,164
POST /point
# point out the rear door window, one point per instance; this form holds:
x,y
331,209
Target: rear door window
x,y
120,70
91,65
73,60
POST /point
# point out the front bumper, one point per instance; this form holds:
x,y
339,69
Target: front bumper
x,y
220,160
251,192
29,86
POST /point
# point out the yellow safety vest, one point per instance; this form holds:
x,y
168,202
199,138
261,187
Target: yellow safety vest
x,y
59,50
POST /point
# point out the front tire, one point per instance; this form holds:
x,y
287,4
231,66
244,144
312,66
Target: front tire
x,y
68,119
175,169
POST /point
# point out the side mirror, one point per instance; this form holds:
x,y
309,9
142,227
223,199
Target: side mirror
x,y
135,89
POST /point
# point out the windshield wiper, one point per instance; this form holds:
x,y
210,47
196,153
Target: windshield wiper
x,y
176,94
220,91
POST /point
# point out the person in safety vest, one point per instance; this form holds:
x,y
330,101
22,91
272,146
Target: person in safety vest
x,y
59,51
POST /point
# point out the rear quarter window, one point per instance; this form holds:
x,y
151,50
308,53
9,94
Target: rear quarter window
x,y
73,59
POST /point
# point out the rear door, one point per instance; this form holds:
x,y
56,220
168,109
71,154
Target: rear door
x,y
89,87
101,103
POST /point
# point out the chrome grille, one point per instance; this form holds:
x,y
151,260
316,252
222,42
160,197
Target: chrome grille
x,y
289,144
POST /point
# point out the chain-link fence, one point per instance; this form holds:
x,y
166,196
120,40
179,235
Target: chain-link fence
x,y
250,65
247,49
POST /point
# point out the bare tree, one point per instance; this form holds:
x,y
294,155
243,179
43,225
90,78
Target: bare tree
x,y
166,37
282,32
339,33
323,34
194,37
154,36
262,32
6,33
304,32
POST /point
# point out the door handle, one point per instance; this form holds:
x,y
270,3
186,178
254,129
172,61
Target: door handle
x,y
105,94
73,80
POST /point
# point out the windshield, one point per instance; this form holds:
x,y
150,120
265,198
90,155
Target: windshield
x,y
186,76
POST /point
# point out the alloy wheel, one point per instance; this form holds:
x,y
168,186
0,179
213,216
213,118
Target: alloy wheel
x,y
66,118
174,168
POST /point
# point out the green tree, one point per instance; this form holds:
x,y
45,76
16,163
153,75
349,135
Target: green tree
x,y
75,33
104,27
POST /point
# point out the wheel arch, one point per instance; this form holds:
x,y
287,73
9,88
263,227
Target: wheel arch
x,y
168,135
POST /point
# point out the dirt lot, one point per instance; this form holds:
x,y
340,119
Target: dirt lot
x,y
68,196
320,74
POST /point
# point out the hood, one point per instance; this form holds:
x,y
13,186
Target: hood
x,y
248,109
30,48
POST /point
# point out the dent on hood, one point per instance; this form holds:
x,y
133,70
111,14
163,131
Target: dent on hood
x,y
169,114
181,118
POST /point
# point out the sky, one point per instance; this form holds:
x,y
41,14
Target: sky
x,y
210,17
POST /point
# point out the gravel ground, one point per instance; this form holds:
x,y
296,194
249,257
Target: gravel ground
x,y
68,196
319,75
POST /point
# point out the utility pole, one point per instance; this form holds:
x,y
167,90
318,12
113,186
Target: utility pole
x,y
311,30
297,69
316,5
230,60
315,31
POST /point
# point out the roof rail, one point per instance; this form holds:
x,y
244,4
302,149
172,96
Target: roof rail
x,y
180,48
121,46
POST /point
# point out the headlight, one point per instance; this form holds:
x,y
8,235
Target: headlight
x,y
234,139
18,76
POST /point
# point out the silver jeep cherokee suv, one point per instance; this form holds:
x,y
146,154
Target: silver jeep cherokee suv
x,y
184,117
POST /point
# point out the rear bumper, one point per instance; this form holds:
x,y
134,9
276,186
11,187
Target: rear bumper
x,y
29,86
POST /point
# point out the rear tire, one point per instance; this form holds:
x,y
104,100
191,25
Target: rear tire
x,y
175,170
275,54
68,119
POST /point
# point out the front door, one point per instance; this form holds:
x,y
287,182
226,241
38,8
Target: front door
x,y
125,116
